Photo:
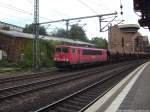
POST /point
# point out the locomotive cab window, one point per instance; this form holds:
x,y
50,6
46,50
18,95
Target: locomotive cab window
x,y
58,49
64,50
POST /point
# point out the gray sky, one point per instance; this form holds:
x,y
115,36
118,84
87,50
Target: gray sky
x,y
20,12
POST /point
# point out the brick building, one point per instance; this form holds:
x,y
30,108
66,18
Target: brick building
x,y
12,43
126,39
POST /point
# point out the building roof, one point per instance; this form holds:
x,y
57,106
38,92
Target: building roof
x,y
30,36
129,27
4,25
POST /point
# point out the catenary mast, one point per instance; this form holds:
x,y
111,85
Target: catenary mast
x,y
36,59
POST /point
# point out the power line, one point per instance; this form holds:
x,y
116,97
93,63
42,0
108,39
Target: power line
x,y
11,7
87,6
30,2
60,13
15,8
102,5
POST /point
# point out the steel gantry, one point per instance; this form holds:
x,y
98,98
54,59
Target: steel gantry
x,y
36,51
84,17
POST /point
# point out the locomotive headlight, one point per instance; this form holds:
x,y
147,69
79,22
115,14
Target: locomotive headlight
x,y
55,59
67,59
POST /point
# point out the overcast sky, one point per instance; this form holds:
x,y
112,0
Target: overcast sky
x,y
20,12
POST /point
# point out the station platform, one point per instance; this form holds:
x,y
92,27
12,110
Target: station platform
x,y
132,94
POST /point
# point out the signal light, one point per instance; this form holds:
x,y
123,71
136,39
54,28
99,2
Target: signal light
x,y
136,4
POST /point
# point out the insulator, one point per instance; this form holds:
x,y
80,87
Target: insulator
x,y
121,6
121,13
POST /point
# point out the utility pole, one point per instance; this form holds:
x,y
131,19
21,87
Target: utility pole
x,y
67,25
36,35
100,23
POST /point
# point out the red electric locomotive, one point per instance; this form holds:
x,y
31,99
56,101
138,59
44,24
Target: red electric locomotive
x,y
67,56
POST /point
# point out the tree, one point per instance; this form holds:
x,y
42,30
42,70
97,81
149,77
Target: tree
x,y
77,33
100,42
59,33
29,29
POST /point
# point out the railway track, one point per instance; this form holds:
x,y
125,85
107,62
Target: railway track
x,y
14,91
25,77
79,101
33,75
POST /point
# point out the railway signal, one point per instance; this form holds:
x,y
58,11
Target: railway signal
x,y
143,6
136,4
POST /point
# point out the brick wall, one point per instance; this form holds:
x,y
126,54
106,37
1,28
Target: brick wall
x,y
124,41
12,46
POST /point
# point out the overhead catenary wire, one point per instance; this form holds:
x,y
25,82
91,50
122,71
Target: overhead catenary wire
x,y
58,12
30,2
15,8
102,4
87,6
11,7
8,14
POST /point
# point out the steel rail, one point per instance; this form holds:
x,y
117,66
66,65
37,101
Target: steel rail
x,y
30,87
28,76
79,107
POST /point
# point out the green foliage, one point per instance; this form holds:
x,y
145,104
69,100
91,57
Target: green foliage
x,y
77,33
29,29
46,53
59,33
100,42
5,63
28,55
42,31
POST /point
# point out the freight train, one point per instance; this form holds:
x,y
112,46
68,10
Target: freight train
x,y
67,56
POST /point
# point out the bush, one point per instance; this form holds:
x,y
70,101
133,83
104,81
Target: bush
x,y
4,63
46,53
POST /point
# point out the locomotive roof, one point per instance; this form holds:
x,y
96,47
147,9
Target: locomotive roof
x,y
79,47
